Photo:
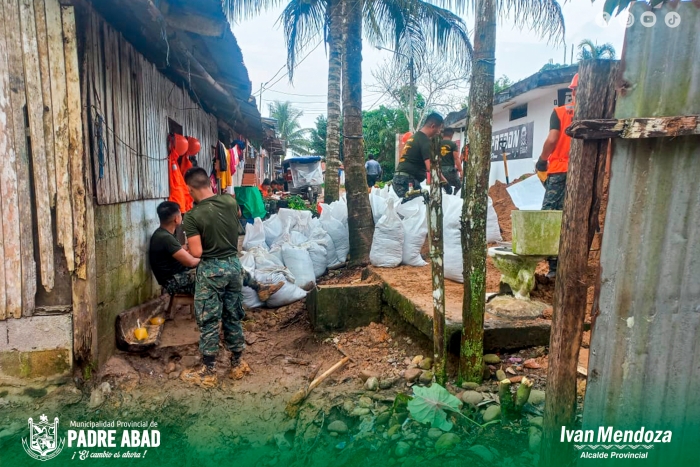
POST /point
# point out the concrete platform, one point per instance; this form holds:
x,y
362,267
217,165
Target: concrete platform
x,y
502,329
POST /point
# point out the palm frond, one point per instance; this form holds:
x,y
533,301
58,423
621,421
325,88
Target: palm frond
x,y
302,22
237,10
542,16
607,50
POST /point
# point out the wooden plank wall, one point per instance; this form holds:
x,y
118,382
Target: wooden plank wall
x,y
34,142
130,102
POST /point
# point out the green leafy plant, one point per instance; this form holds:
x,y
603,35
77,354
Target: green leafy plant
x,y
430,405
296,202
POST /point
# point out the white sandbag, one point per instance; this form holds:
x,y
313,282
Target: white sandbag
x,y
318,255
247,260
415,231
276,251
451,211
320,236
339,210
251,299
452,246
264,260
254,235
297,238
299,263
274,228
387,243
303,224
378,205
528,194
338,233
295,219
493,230
289,293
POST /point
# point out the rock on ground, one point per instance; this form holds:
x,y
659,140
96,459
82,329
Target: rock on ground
x,y
492,413
446,442
472,397
412,374
434,433
492,359
338,426
402,449
536,397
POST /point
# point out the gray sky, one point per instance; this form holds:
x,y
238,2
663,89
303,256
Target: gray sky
x,y
518,55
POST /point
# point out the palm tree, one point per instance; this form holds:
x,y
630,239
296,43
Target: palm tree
x,y
401,24
288,126
588,50
544,16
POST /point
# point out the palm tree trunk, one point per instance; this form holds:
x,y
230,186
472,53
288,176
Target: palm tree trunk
x,y
437,266
335,51
474,210
360,222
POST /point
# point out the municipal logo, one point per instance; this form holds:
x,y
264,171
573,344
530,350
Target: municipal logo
x,y
43,442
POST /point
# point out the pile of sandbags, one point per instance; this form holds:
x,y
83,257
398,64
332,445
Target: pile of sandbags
x,y
294,248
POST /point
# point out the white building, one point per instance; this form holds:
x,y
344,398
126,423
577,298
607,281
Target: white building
x,y
521,116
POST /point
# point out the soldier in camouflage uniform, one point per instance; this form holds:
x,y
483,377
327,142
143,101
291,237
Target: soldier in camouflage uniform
x,y
211,228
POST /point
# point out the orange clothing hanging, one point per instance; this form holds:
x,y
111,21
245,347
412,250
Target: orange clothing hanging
x,y
224,176
178,189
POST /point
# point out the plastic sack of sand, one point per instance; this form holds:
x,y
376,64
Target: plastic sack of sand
x,y
415,231
493,230
299,263
289,293
337,231
274,228
251,299
528,194
320,236
387,243
254,235
378,205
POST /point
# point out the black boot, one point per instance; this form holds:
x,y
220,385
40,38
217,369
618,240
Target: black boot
x,y
552,268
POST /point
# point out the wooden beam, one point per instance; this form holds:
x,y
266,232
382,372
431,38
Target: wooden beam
x,y
82,294
59,107
596,99
10,265
35,111
634,128
47,116
18,101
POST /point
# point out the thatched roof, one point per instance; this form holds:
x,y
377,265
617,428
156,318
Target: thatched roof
x,y
200,50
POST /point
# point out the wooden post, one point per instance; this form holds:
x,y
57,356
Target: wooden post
x,y
59,101
35,113
595,99
437,265
18,101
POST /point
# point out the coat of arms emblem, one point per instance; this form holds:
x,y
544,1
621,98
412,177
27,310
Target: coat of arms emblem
x,y
43,442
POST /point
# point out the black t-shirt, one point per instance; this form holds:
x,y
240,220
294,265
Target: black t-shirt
x,y
163,246
415,152
447,150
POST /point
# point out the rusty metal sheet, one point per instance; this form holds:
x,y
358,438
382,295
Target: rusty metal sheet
x,y
645,348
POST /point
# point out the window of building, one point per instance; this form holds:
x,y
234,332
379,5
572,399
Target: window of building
x,y
518,112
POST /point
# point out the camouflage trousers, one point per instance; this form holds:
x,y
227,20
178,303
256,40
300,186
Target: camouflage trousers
x,y
401,181
218,301
181,283
453,182
555,187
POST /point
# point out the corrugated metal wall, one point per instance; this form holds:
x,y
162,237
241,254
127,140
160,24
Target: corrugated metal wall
x,y
644,367
130,103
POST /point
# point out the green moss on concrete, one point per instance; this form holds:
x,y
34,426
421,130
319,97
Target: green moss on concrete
x,y
35,364
340,307
536,232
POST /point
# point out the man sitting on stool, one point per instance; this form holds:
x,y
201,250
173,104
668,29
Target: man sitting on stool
x,y
173,265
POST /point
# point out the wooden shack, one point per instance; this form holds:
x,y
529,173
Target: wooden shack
x,y
89,91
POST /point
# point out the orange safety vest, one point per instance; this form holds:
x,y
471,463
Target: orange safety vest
x,y
559,159
178,189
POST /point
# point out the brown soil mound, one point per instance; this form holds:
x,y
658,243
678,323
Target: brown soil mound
x,y
503,205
